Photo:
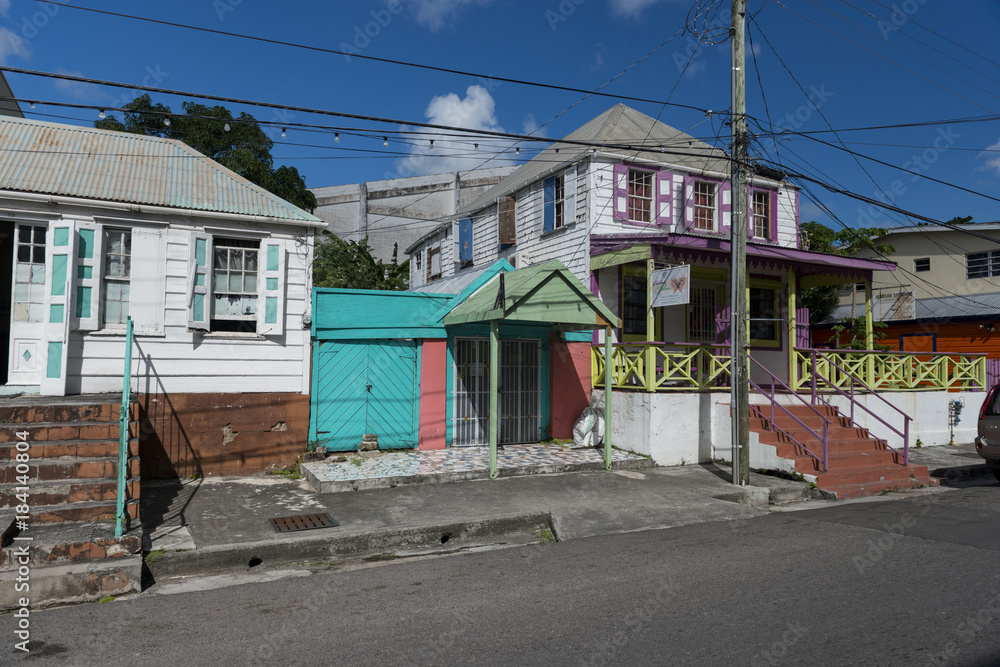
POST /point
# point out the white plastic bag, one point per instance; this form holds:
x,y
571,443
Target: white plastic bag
x,y
598,430
583,429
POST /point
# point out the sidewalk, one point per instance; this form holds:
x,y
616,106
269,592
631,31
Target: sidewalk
x,y
218,525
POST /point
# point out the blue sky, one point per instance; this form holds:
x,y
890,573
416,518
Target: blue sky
x,y
576,43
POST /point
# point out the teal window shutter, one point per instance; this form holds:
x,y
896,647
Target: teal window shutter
x,y
271,312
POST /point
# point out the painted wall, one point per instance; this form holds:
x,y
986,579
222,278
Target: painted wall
x,y
959,337
433,394
688,428
570,385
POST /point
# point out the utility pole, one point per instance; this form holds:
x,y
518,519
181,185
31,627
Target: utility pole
x,y
739,334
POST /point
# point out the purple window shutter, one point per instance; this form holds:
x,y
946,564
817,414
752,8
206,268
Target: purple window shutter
x,y
802,337
619,193
687,194
723,188
772,224
750,212
664,198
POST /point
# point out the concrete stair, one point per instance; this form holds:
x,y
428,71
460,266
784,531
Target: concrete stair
x,y
71,477
859,465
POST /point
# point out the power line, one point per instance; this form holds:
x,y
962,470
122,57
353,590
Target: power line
x,y
878,55
897,126
326,112
390,61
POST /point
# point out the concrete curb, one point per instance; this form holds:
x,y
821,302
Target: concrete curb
x,y
73,582
325,545
415,480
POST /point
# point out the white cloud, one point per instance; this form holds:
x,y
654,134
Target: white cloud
x,y
4,7
435,13
631,8
475,111
77,90
992,158
11,44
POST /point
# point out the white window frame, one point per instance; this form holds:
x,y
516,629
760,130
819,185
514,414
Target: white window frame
x,y
987,264
712,209
106,279
243,248
647,202
761,226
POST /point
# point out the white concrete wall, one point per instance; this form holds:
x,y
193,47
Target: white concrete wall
x,y
689,428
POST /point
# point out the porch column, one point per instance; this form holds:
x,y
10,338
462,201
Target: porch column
x,y
869,335
650,353
793,332
608,383
494,384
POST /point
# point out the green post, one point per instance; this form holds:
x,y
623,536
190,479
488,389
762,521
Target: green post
x,y
123,429
608,383
869,335
494,390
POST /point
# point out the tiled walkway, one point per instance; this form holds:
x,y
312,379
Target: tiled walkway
x,y
459,460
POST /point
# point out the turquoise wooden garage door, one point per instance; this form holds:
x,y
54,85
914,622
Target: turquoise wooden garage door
x,y
366,386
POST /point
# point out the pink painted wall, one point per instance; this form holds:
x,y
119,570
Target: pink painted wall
x,y
433,390
569,388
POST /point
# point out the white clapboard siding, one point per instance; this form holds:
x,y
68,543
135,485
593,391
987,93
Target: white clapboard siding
x,y
182,361
787,230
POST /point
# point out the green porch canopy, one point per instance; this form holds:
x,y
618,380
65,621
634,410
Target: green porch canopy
x,y
543,294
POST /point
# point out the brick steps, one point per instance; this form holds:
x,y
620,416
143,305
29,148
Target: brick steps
x,y
858,463
54,492
42,470
63,448
60,544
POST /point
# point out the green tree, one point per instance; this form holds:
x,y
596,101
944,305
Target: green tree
x,y
847,242
244,148
350,265
850,334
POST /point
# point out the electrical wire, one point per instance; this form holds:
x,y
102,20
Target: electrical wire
x,y
446,70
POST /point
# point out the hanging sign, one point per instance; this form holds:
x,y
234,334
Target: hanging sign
x,y
672,286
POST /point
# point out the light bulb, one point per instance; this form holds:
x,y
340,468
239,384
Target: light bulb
x,y
476,147
385,142
31,104
432,143
100,114
226,127
517,151
166,122
282,133
336,137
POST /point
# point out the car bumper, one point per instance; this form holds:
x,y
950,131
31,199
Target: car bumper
x,y
990,452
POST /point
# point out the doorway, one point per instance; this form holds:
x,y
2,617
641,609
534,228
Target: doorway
x,y
6,294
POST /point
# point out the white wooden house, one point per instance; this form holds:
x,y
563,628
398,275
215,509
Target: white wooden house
x,y
98,226
625,195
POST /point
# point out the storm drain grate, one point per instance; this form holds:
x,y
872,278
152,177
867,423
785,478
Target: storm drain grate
x,y
289,524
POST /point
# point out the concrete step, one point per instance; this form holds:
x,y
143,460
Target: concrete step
x,y
875,488
41,432
874,474
27,413
63,448
54,492
104,511
67,469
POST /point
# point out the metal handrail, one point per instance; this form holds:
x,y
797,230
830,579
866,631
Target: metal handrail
x,y
905,434
123,420
824,438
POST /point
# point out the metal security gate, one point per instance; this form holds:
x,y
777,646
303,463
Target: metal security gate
x,y
520,396
366,386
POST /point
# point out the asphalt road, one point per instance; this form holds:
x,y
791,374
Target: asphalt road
x,y
900,582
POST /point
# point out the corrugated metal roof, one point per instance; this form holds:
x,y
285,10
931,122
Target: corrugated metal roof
x,y
453,284
57,159
618,125
943,307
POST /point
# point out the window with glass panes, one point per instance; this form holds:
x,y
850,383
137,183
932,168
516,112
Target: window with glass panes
x,y
763,316
640,195
234,279
762,214
634,305
117,276
982,264
704,206
29,274
701,315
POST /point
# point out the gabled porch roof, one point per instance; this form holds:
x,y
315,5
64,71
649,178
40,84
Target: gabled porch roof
x,y
545,293
614,249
